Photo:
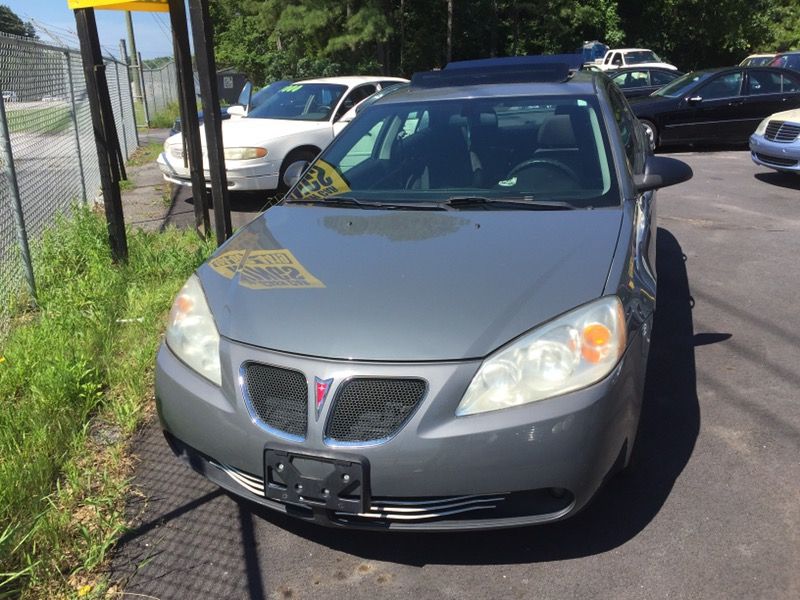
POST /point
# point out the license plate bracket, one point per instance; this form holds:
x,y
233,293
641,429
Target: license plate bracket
x,y
320,480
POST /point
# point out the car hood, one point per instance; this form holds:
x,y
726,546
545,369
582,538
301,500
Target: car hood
x,y
246,131
787,115
404,285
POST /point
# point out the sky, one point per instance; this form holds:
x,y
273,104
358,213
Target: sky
x,y
153,36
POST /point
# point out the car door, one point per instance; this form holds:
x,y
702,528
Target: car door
x,y
714,111
352,98
764,95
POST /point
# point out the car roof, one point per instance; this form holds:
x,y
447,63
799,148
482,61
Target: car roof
x,y
641,67
630,50
583,83
352,80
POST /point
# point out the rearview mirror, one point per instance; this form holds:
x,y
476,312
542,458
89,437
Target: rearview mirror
x,y
237,110
660,171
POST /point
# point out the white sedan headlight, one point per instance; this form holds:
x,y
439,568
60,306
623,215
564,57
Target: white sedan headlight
x,y
191,332
568,353
244,153
762,127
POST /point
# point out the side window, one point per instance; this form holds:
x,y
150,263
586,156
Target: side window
x,y
661,78
617,60
790,84
763,82
634,79
362,149
628,130
608,58
724,86
354,97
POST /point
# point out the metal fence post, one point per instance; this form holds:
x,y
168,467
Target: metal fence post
x,y
121,109
143,87
75,126
19,218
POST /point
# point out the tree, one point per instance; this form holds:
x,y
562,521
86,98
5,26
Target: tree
x,y
11,23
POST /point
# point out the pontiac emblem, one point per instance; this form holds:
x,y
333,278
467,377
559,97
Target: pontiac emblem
x,y
321,387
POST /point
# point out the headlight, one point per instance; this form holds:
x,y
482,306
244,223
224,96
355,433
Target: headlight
x,y
244,153
568,353
191,332
762,127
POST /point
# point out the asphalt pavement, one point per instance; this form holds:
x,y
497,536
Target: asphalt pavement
x,y
710,507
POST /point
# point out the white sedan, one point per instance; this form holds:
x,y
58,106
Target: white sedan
x,y
279,136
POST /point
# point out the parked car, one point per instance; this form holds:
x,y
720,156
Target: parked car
x,y
787,60
247,101
281,135
627,57
445,323
776,142
642,81
757,60
716,105
592,52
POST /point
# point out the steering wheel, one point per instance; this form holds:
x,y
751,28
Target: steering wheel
x,y
549,163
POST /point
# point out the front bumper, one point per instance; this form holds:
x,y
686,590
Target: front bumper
x,y
245,175
775,155
531,464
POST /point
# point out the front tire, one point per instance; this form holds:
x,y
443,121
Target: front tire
x,y
295,156
651,133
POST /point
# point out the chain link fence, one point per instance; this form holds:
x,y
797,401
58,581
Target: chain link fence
x,y
160,87
50,149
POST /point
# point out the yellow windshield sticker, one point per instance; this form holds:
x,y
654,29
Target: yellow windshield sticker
x,y
291,88
321,180
264,269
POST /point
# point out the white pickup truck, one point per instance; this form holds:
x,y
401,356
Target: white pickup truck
x,y
628,57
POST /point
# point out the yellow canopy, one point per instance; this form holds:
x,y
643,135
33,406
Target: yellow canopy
x,y
146,5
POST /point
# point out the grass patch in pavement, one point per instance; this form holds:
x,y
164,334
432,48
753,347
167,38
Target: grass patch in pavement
x,y
145,154
76,381
43,119
165,118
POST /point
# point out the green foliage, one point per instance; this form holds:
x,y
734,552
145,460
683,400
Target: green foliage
x,y
275,39
11,23
74,370
165,118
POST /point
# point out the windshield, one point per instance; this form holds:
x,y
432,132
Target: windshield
x,y
266,92
641,56
523,148
301,102
681,86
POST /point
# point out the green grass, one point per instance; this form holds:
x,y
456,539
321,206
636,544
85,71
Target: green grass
x,y
145,154
76,380
164,118
46,119
126,184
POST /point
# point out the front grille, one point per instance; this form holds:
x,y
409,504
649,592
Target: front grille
x,y
774,160
366,410
781,131
278,397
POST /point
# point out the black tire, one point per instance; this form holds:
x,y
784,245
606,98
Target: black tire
x,y
651,133
299,155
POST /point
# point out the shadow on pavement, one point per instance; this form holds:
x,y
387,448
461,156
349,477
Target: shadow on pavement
x,y
668,429
784,180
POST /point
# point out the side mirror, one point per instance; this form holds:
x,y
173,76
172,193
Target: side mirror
x,y
237,110
694,100
245,95
661,171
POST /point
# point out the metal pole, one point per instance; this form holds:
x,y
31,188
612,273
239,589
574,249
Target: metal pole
x,y
203,35
123,49
144,92
108,155
121,113
75,126
19,218
190,124
134,54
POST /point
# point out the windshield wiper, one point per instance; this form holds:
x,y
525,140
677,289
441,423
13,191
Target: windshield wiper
x,y
349,202
527,203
